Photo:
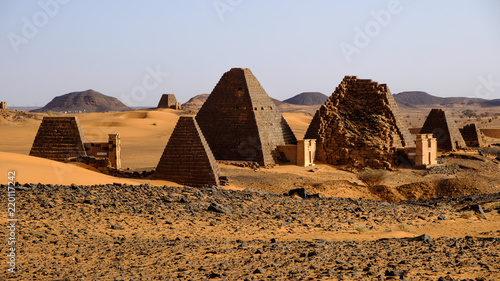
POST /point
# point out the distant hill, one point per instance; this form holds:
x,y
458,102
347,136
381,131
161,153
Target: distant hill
x,y
307,98
85,101
196,102
417,98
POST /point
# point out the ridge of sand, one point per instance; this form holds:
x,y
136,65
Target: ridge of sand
x,y
31,169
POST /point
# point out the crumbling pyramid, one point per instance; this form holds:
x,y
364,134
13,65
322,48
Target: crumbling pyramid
x,y
241,122
187,158
167,101
472,135
359,125
443,127
58,138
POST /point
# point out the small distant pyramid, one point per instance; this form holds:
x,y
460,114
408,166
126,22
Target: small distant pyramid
x,y
187,158
241,122
472,135
442,126
167,101
359,125
58,138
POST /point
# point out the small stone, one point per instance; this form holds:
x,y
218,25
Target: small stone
x,y
442,217
259,271
214,207
116,226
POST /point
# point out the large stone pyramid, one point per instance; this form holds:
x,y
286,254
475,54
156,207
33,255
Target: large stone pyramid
x,y
241,122
187,158
58,138
443,127
359,125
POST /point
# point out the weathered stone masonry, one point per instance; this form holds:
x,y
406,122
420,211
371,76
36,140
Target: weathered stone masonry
x,y
187,158
241,122
58,138
359,125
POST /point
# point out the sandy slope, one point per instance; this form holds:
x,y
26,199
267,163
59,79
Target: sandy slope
x,y
30,169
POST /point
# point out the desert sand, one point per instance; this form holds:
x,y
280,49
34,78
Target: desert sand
x,y
78,223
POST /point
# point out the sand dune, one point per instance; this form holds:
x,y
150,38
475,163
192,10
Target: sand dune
x,y
30,169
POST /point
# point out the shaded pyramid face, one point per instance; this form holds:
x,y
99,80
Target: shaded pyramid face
x,y
359,125
241,122
187,158
472,135
167,101
443,127
58,138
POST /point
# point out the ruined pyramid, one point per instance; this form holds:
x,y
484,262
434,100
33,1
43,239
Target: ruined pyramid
x,y
359,125
187,158
442,126
241,122
472,135
58,138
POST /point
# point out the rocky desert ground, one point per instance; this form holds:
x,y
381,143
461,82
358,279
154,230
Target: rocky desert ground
x,y
77,224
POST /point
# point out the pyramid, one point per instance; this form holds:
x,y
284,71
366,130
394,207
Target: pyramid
x,y
443,127
472,135
167,101
187,158
241,122
359,125
58,138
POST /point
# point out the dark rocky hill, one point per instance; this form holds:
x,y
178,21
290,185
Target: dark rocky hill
x,y
307,98
85,101
418,98
196,102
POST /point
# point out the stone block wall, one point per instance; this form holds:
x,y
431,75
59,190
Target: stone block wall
x,y
110,150
491,133
359,125
3,105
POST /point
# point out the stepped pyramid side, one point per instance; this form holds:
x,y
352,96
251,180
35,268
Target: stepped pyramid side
x,y
472,135
187,158
241,122
360,125
443,127
58,138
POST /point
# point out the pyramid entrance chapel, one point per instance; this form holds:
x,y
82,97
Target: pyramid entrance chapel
x,y
359,125
241,122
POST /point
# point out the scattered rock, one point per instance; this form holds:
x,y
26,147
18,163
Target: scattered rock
x,y
214,207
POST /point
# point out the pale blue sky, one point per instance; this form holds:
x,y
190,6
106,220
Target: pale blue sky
x,y
447,48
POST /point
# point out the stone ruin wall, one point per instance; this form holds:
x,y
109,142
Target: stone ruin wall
x,y
359,125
